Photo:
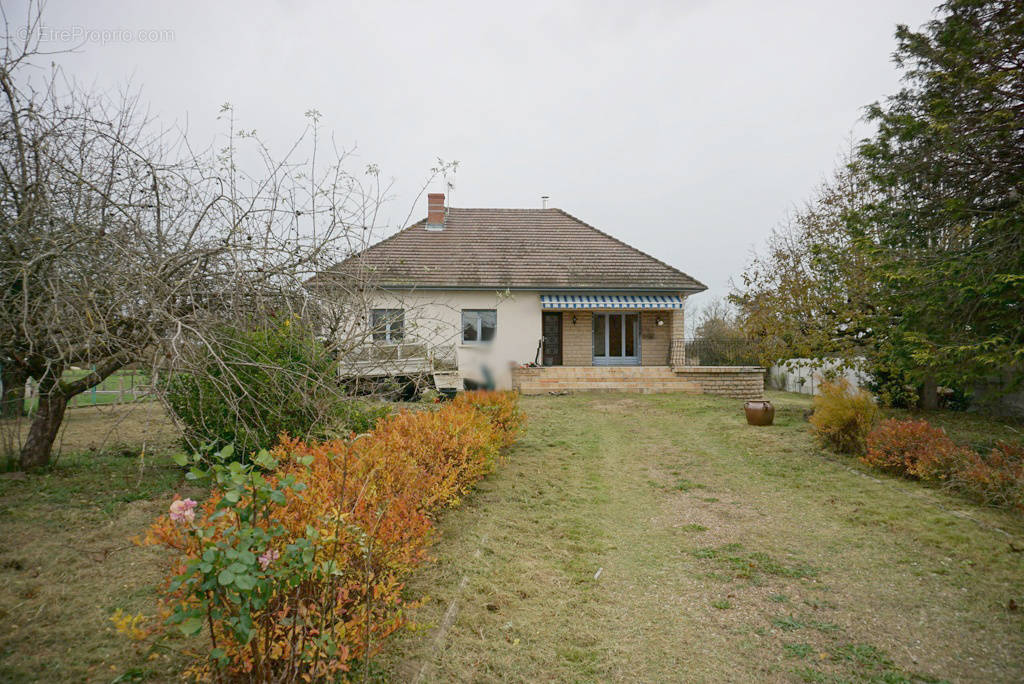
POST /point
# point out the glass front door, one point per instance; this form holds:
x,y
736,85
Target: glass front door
x,y
616,339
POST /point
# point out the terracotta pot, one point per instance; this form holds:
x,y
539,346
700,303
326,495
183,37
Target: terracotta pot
x,y
759,412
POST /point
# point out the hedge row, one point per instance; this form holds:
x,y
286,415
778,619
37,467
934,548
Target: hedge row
x,y
919,450
294,567
845,419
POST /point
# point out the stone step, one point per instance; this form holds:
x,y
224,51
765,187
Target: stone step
x,y
736,382
605,371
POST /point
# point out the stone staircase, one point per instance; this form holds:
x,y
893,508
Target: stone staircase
x,y
646,379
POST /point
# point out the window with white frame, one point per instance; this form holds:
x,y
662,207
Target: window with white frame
x,y
479,325
387,324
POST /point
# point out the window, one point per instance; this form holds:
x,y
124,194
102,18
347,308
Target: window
x,y
479,325
387,324
616,339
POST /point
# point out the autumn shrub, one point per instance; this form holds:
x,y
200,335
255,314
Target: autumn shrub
x,y
294,566
502,408
247,387
996,479
914,448
843,416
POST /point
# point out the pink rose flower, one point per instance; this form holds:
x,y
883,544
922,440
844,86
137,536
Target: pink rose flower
x,y
183,510
268,557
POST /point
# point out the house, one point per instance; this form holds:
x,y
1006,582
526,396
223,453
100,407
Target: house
x,y
538,300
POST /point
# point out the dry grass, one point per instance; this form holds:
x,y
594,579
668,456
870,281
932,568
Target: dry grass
x,y
113,427
727,553
67,560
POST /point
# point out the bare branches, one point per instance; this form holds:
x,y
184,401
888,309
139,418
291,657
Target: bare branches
x,y
122,244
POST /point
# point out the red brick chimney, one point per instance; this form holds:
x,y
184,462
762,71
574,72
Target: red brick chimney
x,y
435,211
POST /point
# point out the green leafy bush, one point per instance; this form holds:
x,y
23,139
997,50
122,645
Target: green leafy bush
x,y
247,387
891,383
843,416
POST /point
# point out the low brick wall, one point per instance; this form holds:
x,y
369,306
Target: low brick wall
x,y
740,382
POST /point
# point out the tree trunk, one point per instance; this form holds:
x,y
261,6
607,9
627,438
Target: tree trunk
x,y
43,431
929,394
53,400
12,403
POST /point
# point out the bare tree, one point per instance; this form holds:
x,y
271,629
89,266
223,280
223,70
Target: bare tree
x,y
121,244
719,321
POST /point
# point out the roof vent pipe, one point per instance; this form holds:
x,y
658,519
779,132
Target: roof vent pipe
x,y
544,201
435,211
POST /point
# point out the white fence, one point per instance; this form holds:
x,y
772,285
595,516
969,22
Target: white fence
x,y
806,375
123,387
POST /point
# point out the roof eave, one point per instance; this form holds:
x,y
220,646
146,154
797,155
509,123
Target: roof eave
x,y
550,287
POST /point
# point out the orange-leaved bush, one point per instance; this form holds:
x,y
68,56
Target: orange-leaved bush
x,y
295,564
996,480
843,416
501,407
914,448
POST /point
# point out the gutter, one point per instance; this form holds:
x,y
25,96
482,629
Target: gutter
x,y
546,288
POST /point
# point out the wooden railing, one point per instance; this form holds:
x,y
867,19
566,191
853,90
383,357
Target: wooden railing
x,y
398,359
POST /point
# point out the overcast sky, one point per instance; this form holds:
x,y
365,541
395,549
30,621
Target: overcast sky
x,y
687,129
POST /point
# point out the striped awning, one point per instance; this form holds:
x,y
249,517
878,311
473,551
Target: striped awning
x,y
610,301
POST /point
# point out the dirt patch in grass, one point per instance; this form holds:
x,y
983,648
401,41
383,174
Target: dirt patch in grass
x,y
67,559
651,538
114,427
725,552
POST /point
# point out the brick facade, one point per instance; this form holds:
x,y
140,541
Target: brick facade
x,y
596,378
654,338
578,339
677,346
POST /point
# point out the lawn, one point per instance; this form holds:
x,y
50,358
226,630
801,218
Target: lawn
x,y
626,537
659,538
67,557
118,388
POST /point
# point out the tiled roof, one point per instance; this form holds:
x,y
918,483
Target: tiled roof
x,y
516,248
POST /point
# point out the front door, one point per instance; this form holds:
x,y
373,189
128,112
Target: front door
x,y
551,330
616,339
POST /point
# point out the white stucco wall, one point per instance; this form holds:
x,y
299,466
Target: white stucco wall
x,y
435,318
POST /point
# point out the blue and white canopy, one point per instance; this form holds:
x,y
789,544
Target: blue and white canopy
x,y
610,301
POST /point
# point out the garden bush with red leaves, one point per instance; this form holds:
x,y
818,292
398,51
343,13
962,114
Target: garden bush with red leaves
x,y
996,479
914,448
917,449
